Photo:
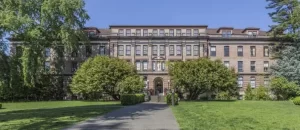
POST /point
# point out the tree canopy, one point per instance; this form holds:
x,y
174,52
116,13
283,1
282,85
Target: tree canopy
x,y
202,75
104,74
41,24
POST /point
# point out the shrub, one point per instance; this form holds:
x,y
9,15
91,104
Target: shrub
x,y
0,106
223,96
261,93
283,89
248,93
296,101
169,99
132,99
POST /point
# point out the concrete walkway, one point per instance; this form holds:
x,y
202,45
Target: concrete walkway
x,y
145,116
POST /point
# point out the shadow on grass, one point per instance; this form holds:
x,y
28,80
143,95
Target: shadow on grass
x,y
52,118
118,119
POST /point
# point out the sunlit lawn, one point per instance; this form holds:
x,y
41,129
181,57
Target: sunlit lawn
x,y
238,115
50,115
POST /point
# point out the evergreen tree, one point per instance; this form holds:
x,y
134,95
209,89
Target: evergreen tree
x,y
248,93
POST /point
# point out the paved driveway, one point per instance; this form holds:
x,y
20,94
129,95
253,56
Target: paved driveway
x,y
145,116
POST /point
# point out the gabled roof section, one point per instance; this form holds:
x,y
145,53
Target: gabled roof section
x,y
251,28
224,28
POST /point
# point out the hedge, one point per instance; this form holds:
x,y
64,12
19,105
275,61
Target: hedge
x,y
0,106
296,101
132,99
169,99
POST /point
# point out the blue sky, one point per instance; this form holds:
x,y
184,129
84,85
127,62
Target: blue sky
x,y
214,13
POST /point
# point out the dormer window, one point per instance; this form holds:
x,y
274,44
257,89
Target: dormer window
x,y
226,33
252,33
92,33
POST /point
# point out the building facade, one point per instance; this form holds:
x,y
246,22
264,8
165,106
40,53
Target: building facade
x,y
150,47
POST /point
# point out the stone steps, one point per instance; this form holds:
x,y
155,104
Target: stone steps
x,y
157,98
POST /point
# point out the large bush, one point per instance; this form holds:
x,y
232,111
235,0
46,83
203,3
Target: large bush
x,y
202,75
102,74
131,85
296,101
132,99
261,93
169,98
0,106
283,89
224,96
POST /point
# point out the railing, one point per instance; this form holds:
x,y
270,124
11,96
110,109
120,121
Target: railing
x,y
238,36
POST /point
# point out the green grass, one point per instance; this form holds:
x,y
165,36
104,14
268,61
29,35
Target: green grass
x,y
238,115
50,115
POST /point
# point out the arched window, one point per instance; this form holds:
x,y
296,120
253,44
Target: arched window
x,y
252,82
240,81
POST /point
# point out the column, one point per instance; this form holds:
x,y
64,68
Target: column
x,y
133,52
183,44
150,56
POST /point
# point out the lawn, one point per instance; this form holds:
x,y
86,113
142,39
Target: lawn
x,y
50,115
238,115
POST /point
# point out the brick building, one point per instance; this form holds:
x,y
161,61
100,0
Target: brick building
x,y
149,47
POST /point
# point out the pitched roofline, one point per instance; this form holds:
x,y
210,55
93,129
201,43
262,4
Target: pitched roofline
x,y
231,28
158,26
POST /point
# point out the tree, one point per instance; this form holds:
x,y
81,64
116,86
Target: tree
x,y
41,24
202,75
282,88
286,17
102,74
131,85
288,65
248,93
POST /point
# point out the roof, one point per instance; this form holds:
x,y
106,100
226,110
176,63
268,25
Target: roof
x,y
224,28
235,31
157,26
104,31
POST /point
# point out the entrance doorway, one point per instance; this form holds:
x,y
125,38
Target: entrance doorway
x,y
158,86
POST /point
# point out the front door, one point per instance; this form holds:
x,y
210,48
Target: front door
x,y
158,85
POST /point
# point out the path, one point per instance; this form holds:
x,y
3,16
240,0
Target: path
x,y
145,116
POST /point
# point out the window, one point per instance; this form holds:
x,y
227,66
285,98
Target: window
x,y
188,32
252,51
92,33
121,32
120,50
145,32
226,51
240,51
47,66
188,50
240,66
161,32
226,33
88,51
47,52
102,50
252,66
145,65
128,32
178,32
74,53
153,66
128,50
138,50
171,32
154,50
226,63
266,51
252,34
154,32
240,81
178,50
213,51
266,81
196,50
74,66
161,50
266,66
196,32
171,50
252,82
138,32
138,65
145,50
